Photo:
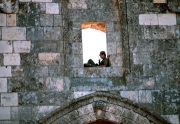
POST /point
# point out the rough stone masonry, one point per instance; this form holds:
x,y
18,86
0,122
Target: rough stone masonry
x,y
41,61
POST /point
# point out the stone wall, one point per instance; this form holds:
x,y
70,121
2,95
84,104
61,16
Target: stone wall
x,y
41,64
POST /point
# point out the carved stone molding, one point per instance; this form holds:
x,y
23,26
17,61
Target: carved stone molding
x,y
9,6
100,105
115,108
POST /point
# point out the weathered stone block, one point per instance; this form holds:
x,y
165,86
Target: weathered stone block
x,y
47,20
22,17
174,119
54,84
145,96
41,111
5,71
38,71
52,8
22,46
60,97
35,33
27,98
167,19
5,113
11,19
58,20
77,48
2,19
141,58
49,58
3,84
0,33
14,113
109,26
46,46
41,0
111,49
85,109
113,36
11,59
9,122
24,0
76,4
45,98
148,19
159,1
52,33
5,46
34,20
13,33
25,113
132,95
9,99
83,93
56,71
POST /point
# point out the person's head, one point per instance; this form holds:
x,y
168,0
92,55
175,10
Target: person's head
x,y
102,54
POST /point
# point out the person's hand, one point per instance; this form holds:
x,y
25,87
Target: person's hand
x,y
108,56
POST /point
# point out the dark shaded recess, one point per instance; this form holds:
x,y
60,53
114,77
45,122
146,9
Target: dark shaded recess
x,y
17,84
0,1
99,121
13,2
161,8
29,59
28,20
34,8
22,20
1,60
23,7
174,5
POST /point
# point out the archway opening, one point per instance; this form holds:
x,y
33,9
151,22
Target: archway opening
x,y
101,121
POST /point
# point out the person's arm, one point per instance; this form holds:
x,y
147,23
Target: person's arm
x,y
106,61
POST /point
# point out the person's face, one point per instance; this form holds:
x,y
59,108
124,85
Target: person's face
x,y
102,56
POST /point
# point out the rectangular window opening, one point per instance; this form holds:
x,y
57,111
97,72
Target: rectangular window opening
x,y
93,41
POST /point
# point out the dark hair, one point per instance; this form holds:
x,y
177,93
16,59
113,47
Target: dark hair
x,y
103,52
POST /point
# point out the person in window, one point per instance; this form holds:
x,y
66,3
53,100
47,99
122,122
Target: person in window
x,y
103,63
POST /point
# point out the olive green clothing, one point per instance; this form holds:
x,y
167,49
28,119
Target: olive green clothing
x,y
105,62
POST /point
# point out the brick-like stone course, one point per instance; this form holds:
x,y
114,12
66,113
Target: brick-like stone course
x,y
9,99
6,47
2,19
157,19
5,113
22,46
52,8
159,1
12,59
11,19
13,33
41,0
5,71
3,85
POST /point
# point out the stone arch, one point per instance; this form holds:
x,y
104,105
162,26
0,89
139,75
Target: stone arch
x,y
105,106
